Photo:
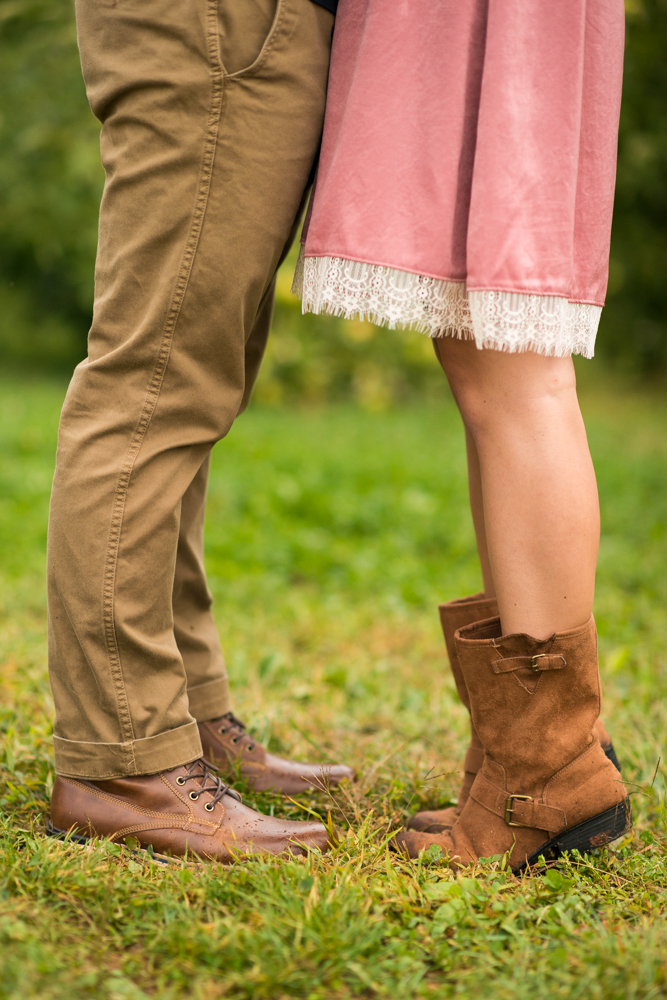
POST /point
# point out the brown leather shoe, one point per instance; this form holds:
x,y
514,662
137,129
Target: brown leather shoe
x,y
455,615
545,786
226,743
188,810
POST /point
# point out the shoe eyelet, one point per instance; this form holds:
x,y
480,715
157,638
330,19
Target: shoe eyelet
x,y
194,796
251,748
209,807
180,780
234,739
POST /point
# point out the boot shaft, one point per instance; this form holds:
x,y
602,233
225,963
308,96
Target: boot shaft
x,y
534,702
455,615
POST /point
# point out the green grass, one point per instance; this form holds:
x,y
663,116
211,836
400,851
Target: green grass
x,y
332,535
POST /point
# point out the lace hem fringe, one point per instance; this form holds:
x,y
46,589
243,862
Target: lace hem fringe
x,y
497,320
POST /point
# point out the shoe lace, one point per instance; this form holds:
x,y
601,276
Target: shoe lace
x,y
206,774
234,723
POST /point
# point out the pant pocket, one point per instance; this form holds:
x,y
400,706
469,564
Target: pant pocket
x,y
245,25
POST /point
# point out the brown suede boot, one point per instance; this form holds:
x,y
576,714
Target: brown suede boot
x,y
226,743
545,786
455,615
187,809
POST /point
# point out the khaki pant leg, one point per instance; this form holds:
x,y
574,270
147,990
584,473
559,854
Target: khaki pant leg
x,y
194,626
205,174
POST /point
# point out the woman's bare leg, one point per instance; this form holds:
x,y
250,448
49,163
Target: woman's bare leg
x,y
477,511
536,477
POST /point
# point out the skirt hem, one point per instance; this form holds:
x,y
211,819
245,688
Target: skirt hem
x,y
512,322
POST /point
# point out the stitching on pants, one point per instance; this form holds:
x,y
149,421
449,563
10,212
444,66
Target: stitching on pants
x,y
155,384
269,43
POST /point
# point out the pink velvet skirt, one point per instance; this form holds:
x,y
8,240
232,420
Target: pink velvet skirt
x,y
466,178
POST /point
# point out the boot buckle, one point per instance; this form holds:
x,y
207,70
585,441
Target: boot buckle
x,y
533,665
509,808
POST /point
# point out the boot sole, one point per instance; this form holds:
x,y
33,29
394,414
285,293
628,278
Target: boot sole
x,y
612,829
78,838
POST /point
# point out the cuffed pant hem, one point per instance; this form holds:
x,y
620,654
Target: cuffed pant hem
x,y
104,761
209,700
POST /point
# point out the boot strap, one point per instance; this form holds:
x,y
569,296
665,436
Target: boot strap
x,y
474,759
538,663
517,810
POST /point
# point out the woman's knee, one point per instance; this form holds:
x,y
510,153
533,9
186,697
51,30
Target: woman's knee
x,y
491,386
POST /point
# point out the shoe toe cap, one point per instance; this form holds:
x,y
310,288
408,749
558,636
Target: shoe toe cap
x,y
433,822
411,843
292,777
306,836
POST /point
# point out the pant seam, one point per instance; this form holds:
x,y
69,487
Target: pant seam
x,y
157,378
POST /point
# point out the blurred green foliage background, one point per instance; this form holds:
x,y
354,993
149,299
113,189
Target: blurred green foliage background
x,y
51,180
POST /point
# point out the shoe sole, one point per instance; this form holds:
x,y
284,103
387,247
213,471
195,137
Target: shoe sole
x,y
81,840
612,829
159,859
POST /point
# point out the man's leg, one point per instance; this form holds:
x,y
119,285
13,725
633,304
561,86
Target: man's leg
x,y
224,737
205,175
194,628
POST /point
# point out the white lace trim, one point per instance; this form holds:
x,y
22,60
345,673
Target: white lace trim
x,y
502,321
